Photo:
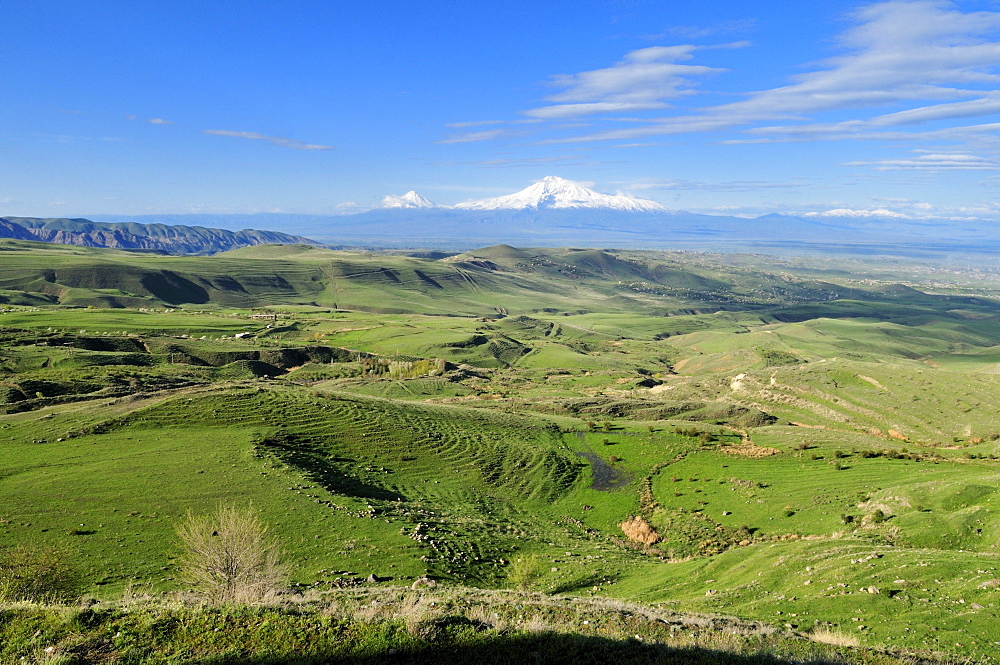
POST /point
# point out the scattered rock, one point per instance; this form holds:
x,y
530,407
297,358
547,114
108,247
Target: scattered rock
x,y
423,583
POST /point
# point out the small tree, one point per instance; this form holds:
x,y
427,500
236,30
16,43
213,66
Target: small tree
x,y
230,556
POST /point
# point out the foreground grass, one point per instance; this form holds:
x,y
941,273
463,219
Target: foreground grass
x,y
406,626
403,417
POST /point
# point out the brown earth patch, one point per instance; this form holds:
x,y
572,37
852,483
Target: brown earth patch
x,y
639,530
750,450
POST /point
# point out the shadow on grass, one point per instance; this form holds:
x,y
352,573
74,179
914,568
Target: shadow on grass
x,y
539,648
321,467
244,635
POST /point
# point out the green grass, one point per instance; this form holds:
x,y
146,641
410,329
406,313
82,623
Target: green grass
x,y
460,626
404,417
119,523
945,596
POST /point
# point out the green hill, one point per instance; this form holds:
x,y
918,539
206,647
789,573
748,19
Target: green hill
x,y
703,434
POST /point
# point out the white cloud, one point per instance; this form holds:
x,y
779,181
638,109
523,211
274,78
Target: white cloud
x,y
933,162
727,186
936,61
275,140
982,134
563,160
987,105
475,123
159,121
473,137
852,212
641,81
575,110
898,52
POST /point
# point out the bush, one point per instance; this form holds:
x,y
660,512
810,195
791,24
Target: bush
x,y
37,574
525,571
230,556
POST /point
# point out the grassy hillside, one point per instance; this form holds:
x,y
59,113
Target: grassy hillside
x,y
813,447
460,625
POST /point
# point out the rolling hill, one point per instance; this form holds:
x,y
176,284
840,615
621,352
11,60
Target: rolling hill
x,y
811,445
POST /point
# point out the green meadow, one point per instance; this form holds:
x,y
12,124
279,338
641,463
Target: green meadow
x,y
812,447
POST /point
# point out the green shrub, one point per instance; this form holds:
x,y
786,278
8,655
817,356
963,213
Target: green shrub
x,y
525,571
37,574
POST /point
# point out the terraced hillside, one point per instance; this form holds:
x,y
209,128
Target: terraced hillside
x,y
796,444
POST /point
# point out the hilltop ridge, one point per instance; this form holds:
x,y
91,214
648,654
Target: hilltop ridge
x,y
170,239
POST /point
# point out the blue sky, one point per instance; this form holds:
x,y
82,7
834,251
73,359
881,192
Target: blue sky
x,y
326,107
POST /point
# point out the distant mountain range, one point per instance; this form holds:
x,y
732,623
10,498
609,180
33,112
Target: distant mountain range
x,y
549,193
553,212
172,239
554,193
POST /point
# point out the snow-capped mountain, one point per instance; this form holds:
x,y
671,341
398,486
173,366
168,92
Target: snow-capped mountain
x,y
409,200
553,192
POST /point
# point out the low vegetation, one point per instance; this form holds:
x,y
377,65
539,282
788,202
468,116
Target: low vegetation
x,y
809,447
229,556
458,625
37,574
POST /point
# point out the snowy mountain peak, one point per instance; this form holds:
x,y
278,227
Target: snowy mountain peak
x,y
409,200
555,192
